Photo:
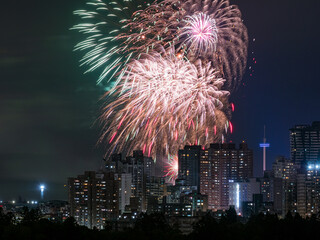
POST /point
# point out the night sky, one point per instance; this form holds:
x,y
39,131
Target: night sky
x,y
48,107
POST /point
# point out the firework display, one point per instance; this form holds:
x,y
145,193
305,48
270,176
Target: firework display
x,y
172,168
173,64
102,24
164,101
178,23
200,34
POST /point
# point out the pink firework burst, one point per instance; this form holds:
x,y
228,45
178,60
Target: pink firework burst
x,y
200,33
172,168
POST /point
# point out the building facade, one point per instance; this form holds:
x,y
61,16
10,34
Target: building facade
x,y
308,190
240,192
189,165
223,163
305,143
94,198
285,171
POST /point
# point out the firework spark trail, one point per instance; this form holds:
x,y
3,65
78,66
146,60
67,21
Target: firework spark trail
x,y
165,23
167,101
118,31
103,24
173,64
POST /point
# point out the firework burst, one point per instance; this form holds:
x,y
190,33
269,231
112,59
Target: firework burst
x,y
200,34
118,31
172,168
173,64
165,102
104,24
168,21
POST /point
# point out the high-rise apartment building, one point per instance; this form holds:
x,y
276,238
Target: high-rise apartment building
x,y
267,186
135,166
219,164
189,165
243,191
286,170
125,190
245,162
271,190
93,198
206,181
114,164
138,172
308,190
305,143
155,190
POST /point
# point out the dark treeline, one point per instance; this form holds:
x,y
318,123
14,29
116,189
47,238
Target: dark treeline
x,y
156,227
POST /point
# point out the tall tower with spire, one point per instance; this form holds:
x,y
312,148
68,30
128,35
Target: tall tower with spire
x,y
264,145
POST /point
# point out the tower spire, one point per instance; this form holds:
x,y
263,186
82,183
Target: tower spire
x,y
264,145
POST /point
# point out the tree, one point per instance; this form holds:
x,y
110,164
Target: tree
x,y
30,216
231,216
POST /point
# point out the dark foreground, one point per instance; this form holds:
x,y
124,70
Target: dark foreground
x,y
155,227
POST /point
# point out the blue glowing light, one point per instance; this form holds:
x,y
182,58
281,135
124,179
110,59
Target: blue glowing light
x,y
264,145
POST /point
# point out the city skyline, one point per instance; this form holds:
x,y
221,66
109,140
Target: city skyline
x,y
49,107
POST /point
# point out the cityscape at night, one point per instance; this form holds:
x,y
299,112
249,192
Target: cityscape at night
x,y
160,119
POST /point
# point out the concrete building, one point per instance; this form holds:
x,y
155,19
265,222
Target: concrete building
x,y
136,176
287,171
240,192
308,190
267,186
125,190
256,206
305,143
94,198
206,181
189,165
221,163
